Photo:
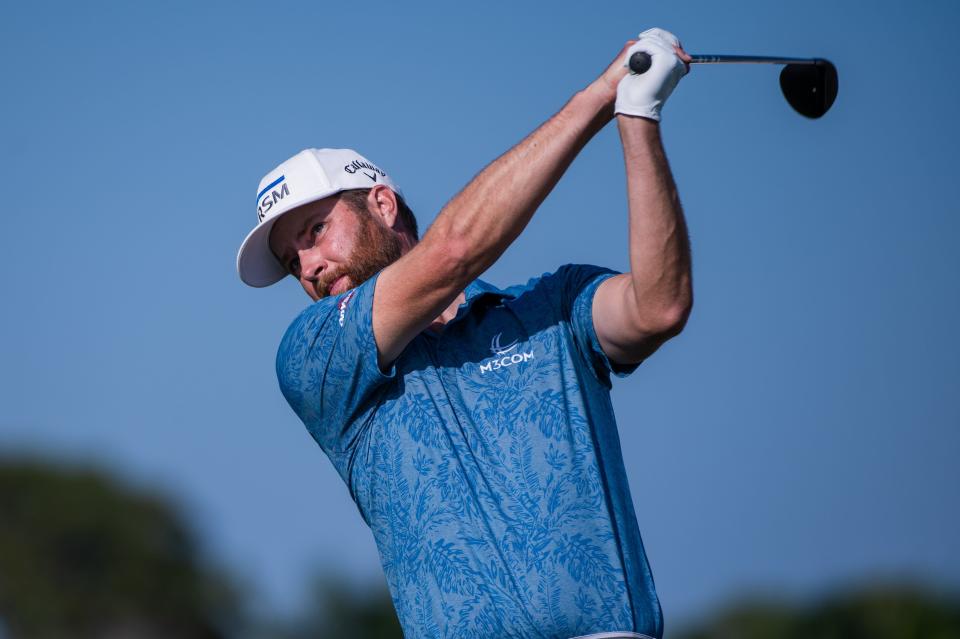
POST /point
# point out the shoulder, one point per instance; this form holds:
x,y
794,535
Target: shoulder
x,y
320,324
307,323
567,282
570,273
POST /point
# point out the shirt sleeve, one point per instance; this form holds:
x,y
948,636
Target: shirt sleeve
x,y
327,367
577,284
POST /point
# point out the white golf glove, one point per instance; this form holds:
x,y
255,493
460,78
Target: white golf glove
x,y
645,93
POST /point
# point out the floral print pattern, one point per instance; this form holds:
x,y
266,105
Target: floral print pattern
x,y
486,461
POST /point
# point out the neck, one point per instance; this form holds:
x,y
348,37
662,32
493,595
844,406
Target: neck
x,y
448,314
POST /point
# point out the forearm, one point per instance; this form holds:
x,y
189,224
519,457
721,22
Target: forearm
x,y
660,275
477,225
491,211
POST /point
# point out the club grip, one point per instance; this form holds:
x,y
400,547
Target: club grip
x,y
640,62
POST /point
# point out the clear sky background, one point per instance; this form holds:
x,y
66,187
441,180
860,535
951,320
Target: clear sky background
x,y
802,433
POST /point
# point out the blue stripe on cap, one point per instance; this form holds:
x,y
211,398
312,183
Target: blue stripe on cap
x,y
269,186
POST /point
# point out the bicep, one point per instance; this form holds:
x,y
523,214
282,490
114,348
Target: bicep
x,y
411,293
622,335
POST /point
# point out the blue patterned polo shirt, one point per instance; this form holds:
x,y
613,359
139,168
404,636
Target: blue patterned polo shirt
x,y
486,461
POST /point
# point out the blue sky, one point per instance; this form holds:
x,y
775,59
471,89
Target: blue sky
x,y
803,432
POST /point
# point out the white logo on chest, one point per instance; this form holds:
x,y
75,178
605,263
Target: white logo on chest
x,y
503,356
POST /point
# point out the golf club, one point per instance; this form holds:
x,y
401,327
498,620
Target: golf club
x,y
809,84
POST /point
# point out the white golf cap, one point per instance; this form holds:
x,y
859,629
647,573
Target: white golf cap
x,y
310,175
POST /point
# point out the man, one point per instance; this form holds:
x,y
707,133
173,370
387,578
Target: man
x,y
473,425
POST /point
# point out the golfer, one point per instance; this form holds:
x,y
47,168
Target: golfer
x,y
472,425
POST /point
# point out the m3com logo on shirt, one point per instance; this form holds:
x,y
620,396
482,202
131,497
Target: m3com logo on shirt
x,y
509,355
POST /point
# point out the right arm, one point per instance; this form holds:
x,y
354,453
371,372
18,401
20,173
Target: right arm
x,y
477,226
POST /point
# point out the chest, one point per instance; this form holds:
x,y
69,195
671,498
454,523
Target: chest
x,y
490,372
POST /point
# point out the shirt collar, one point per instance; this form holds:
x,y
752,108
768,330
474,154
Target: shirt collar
x,y
478,288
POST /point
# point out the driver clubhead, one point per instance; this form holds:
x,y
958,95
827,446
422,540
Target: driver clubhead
x,y
810,88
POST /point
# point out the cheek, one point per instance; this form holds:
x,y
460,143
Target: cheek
x,y
339,247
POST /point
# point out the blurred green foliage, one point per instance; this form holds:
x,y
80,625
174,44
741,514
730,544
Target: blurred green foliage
x,y
893,611
335,610
82,555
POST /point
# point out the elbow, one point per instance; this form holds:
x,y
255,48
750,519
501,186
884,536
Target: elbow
x,y
672,322
455,254
449,257
671,319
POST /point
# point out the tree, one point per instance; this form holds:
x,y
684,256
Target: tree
x,y
876,612
337,609
82,556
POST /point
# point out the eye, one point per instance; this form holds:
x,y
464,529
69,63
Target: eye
x,y
294,266
316,228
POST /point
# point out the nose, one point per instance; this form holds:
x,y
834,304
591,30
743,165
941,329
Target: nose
x,y
311,264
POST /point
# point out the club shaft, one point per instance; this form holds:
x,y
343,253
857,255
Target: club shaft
x,y
755,59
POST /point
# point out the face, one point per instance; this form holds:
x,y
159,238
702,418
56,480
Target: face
x,y
331,248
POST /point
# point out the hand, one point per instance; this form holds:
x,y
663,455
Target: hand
x,y
606,84
643,95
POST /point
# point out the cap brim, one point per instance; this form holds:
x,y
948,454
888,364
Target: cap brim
x,y
256,264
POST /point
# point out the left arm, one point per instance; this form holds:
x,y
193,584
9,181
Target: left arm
x,y
636,312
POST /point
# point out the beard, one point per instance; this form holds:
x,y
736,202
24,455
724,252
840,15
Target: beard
x,y
375,248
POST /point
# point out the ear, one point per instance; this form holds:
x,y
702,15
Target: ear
x,y
382,202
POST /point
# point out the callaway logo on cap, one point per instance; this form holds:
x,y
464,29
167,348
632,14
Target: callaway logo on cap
x,y
310,175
